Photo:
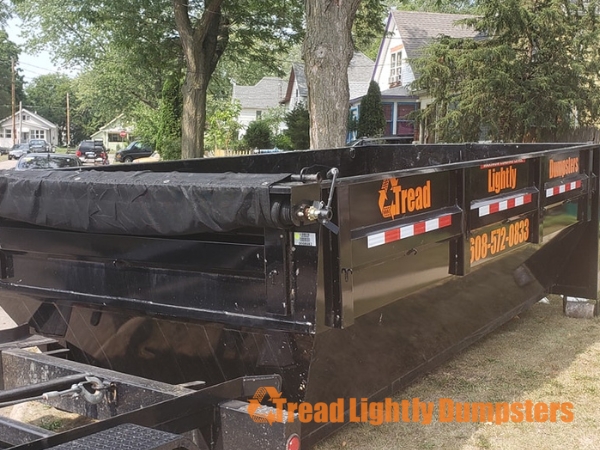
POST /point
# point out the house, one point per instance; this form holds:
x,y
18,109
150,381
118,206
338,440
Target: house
x,y
272,92
115,134
258,99
360,71
406,35
27,125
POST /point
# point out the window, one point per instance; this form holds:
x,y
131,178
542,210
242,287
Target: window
x,y
396,68
388,112
7,133
38,134
116,137
404,125
258,115
25,117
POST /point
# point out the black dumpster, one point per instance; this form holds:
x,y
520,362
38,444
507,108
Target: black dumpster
x,y
348,272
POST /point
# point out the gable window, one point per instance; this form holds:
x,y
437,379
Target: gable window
x,y
25,117
396,69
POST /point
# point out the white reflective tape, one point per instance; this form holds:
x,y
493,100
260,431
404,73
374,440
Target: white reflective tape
x,y
408,231
375,239
432,224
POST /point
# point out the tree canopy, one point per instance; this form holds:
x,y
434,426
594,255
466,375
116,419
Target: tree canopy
x,y
532,74
9,52
134,46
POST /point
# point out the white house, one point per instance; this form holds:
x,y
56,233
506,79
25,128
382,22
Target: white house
x,y
258,99
27,125
116,134
406,34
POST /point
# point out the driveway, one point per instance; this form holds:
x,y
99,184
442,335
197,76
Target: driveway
x,y
6,164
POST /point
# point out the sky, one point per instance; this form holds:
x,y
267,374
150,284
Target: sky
x,y
31,65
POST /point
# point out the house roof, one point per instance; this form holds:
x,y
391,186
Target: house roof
x,y
300,77
360,71
36,116
417,29
267,93
397,91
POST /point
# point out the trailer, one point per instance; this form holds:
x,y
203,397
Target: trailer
x,y
202,303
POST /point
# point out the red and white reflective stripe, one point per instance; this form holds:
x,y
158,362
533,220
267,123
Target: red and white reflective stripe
x,y
406,231
563,188
504,204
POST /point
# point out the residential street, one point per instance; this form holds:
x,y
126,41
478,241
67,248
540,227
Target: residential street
x,y
6,164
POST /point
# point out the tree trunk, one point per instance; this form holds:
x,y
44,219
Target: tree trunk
x,y
327,51
193,118
203,45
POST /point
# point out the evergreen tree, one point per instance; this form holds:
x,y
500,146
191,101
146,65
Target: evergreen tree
x,y
168,138
532,75
298,127
371,120
258,135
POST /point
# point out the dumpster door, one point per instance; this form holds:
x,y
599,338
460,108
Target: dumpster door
x,y
395,234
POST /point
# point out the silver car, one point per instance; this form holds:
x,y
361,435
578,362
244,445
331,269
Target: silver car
x,y
47,161
18,150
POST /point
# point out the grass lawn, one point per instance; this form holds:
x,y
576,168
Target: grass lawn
x,y
541,356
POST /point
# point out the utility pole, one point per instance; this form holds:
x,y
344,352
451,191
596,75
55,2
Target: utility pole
x,y
68,124
14,123
20,120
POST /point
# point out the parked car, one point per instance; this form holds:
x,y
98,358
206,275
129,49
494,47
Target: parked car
x,y
39,145
4,151
155,156
262,151
134,150
92,151
47,160
18,150
383,140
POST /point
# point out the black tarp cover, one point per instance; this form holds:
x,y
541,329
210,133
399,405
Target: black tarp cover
x,y
137,203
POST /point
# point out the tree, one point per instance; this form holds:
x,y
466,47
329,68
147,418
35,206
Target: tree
x,y
534,76
47,96
298,127
223,127
371,120
328,49
258,135
442,6
4,11
154,36
9,52
368,27
204,40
